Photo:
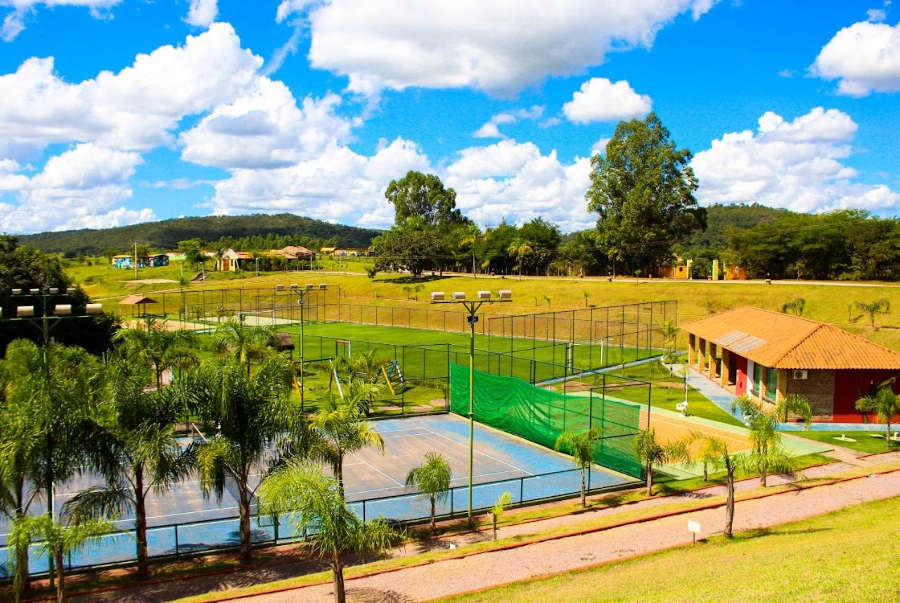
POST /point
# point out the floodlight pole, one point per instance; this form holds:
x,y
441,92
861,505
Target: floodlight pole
x,y
301,295
472,307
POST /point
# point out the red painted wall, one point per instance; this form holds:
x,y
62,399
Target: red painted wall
x,y
740,383
849,386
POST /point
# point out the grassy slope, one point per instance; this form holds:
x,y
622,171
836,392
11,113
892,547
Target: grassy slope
x,y
789,562
695,299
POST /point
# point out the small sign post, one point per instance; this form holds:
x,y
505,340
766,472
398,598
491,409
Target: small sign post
x,y
694,529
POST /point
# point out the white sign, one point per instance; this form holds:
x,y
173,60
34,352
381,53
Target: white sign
x,y
693,526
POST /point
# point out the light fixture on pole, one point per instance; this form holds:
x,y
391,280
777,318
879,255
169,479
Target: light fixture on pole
x,y
472,307
301,299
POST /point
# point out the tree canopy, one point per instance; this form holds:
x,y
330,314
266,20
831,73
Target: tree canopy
x,y
424,196
642,188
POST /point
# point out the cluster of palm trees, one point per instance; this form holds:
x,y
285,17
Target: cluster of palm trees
x,y
124,419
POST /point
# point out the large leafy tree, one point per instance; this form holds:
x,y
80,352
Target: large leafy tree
x,y
424,196
133,446
316,500
643,191
247,421
411,245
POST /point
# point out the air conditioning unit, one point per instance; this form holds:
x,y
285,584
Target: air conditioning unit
x,y
799,375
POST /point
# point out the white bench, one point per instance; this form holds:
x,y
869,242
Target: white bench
x,y
682,407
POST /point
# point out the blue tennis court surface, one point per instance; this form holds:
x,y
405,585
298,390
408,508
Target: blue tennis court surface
x,y
182,521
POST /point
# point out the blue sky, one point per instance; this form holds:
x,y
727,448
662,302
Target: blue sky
x,y
117,111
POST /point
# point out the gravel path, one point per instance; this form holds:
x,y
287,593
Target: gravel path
x,y
487,569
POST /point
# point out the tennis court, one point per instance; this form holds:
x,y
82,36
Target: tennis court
x,y
182,521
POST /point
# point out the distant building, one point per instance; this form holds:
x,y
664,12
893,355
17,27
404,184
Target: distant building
x,y
232,261
152,261
294,252
769,355
678,271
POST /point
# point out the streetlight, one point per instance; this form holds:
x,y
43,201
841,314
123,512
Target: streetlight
x,y
49,317
472,307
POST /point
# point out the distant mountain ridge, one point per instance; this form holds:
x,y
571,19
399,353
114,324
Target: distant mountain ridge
x,y
165,234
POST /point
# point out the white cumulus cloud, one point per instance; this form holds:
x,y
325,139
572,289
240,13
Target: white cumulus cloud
x,y
599,99
202,13
515,182
136,108
490,129
864,57
14,21
78,188
792,164
500,46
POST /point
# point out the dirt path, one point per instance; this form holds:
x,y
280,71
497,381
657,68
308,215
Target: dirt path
x,y
487,569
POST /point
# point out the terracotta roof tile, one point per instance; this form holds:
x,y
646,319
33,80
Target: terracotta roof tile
x,y
779,340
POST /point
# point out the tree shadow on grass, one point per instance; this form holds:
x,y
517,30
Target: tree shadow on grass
x,y
411,280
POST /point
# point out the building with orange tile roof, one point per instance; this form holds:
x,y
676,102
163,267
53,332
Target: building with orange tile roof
x,y
768,355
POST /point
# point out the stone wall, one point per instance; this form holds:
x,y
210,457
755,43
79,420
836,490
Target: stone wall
x,y
818,389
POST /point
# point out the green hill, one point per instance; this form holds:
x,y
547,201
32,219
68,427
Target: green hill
x,y
165,235
720,218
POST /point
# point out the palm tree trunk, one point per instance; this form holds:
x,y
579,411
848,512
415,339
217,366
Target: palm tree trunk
x,y
583,494
337,570
140,523
729,505
649,480
22,583
887,434
339,474
244,504
433,526
705,472
60,576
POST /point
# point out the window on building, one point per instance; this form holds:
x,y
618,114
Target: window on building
x,y
771,384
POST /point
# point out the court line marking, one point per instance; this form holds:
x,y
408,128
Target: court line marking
x,y
484,454
371,466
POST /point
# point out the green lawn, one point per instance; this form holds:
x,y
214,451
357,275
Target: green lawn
x,y
665,392
849,555
865,441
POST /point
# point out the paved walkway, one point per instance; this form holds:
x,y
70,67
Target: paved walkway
x,y
488,569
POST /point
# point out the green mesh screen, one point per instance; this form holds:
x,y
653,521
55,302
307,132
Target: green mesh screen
x,y
540,415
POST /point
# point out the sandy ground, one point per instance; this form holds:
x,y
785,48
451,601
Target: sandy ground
x,y
487,569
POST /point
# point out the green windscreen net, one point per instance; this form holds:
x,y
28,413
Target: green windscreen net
x,y
540,415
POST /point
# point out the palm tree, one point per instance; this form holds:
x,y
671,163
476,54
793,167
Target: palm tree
x,y
47,394
339,430
581,447
794,404
432,479
301,490
243,343
134,449
652,452
720,458
519,250
795,306
498,508
670,336
881,306
57,539
763,436
248,417
885,404
158,346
